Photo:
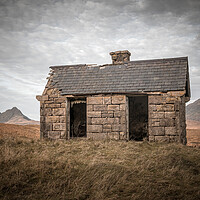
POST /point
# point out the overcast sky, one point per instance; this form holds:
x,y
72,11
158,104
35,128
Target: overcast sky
x,y
36,34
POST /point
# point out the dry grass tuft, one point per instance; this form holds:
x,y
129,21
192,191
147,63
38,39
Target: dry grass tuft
x,y
87,169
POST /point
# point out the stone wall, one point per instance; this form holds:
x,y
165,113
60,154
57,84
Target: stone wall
x,y
167,117
182,122
52,114
106,117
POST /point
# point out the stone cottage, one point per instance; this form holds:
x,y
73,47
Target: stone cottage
x,y
125,100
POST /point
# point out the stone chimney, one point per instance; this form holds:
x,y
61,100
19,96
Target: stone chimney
x,y
119,57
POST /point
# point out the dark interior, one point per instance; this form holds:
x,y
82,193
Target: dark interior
x,y
78,118
138,117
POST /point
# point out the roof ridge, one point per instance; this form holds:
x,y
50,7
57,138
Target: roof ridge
x,y
159,59
133,61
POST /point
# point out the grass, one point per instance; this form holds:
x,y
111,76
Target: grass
x,y
104,170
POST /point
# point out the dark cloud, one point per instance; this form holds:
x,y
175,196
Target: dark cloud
x,y
38,34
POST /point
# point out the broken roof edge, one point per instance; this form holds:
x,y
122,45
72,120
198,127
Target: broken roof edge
x,y
128,62
61,66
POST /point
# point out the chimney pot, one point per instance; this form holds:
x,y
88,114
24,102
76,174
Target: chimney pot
x,y
119,57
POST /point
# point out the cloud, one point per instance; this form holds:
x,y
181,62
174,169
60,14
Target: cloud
x,y
39,34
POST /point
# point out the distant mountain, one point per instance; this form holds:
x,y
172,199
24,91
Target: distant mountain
x,y
15,116
193,111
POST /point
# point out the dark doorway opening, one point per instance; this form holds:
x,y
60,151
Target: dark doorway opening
x,y
78,118
138,117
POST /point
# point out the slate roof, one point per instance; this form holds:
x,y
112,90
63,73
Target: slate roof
x,y
134,76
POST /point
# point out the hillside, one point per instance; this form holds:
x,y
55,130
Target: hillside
x,y
87,169
15,116
193,111
14,130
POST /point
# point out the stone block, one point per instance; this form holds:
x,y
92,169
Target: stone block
x,y
122,107
94,114
169,107
154,122
156,115
94,100
53,105
160,108
42,97
49,91
54,135
52,119
46,111
59,126
123,127
60,100
42,104
58,111
107,126
152,108
113,107
63,105
119,113
156,99
90,108
48,127
53,96
123,120
94,128
62,119
48,102
151,138
170,115
169,122
161,138
118,99
176,93
112,120
98,120
122,136
170,131
39,97
106,100
107,114
116,135
156,131
89,120
100,107
171,99
63,135
116,127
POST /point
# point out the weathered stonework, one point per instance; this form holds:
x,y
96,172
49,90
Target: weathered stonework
x,y
167,117
106,117
52,113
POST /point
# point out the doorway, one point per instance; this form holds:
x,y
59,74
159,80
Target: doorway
x,y
78,118
138,117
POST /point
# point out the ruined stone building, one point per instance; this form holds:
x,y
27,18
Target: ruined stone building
x,y
125,100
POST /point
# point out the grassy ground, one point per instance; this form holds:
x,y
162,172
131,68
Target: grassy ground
x,y
86,169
